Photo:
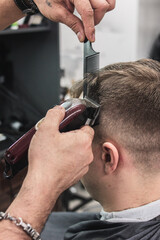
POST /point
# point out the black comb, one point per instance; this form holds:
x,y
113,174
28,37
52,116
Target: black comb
x,y
91,63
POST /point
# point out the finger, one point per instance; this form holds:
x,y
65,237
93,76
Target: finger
x,y
74,23
88,130
53,119
69,6
100,8
68,18
86,12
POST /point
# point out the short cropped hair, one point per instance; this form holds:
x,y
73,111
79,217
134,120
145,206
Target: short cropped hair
x,y
129,95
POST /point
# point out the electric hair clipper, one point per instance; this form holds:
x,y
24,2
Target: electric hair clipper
x,y
79,112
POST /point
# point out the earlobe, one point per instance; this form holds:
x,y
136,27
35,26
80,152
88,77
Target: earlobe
x,y
110,157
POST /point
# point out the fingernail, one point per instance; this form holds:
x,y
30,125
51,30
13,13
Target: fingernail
x,y
80,36
93,37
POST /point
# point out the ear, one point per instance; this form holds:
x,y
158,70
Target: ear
x,y
110,157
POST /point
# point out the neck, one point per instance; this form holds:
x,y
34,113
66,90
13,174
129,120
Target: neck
x,y
130,192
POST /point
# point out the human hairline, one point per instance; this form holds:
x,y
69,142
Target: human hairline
x,y
129,95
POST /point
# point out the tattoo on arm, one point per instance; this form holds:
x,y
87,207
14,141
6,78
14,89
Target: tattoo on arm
x,y
48,3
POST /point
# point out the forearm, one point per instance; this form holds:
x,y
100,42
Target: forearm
x,y
9,13
33,204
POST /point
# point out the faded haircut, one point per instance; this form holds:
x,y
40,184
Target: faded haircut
x,y
129,95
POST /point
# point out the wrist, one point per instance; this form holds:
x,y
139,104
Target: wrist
x,y
33,203
27,6
38,184
27,228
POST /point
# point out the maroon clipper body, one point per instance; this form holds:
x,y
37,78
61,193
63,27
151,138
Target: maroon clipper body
x,y
78,113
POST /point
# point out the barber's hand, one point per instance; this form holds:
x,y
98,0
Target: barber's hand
x,y
91,13
59,159
56,161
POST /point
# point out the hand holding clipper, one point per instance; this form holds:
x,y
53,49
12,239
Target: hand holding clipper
x,y
78,113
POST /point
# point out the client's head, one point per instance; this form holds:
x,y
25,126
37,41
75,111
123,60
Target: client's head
x,y
127,140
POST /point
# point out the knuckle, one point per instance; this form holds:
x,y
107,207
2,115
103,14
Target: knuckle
x,y
59,15
90,29
50,114
73,25
54,111
88,12
43,127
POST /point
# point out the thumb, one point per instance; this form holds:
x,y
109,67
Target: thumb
x,y
53,119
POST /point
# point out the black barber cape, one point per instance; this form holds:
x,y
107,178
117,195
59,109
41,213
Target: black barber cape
x,y
96,229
